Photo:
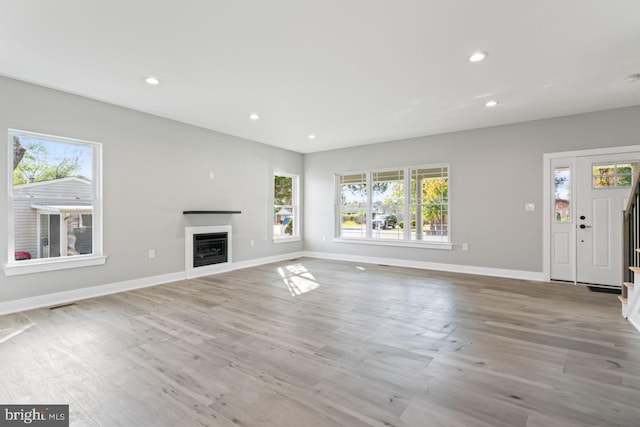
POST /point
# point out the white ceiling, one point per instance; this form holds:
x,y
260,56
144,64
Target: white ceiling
x,y
351,72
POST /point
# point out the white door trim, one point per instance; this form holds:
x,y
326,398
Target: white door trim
x,y
546,194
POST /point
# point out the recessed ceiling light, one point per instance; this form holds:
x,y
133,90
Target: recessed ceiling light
x,y
478,56
491,103
152,81
312,136
254,116
631,78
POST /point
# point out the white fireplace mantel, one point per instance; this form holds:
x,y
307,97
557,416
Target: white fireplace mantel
x,y
205,270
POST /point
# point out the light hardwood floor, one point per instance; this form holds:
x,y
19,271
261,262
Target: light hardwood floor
x,y
323,343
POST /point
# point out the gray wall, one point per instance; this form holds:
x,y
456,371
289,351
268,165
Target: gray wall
x,y
494,172
154,169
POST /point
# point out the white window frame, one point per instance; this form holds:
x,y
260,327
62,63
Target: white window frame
x,y
295,200
406,241
13,267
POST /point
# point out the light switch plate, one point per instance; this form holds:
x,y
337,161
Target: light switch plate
x,y
529,207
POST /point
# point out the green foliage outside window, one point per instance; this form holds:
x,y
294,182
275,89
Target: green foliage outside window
x,y
35,165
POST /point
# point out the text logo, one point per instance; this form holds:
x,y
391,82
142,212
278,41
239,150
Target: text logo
x,y
34,415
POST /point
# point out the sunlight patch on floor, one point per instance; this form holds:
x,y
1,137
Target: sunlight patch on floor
x,y
7,334
297,279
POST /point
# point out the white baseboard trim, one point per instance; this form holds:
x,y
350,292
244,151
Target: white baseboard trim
x,y
424,265
66,297
267,260
207,271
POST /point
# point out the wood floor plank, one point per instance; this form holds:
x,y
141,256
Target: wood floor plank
x,y
324,343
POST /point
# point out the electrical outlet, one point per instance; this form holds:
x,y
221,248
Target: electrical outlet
x,y
324,238
465,246
252,243
212,176
152,254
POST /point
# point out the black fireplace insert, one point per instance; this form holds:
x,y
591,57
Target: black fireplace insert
x,y
209,248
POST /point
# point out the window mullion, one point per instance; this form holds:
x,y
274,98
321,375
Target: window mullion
x,y
295,202
337,228
369,212
406,215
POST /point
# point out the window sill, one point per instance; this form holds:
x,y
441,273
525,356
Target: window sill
x,y
285,239
399,243
17,268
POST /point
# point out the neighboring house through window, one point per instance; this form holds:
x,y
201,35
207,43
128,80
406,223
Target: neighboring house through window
x,y
286,212
394,206
54,203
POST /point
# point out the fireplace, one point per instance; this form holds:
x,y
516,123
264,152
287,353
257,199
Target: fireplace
x,y
207,250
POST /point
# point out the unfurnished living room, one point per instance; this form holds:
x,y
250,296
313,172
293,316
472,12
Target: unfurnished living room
x,y
320,213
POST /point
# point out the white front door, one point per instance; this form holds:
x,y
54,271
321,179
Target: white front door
x,y
589,194
602,189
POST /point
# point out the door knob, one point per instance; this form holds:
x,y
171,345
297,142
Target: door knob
x,y
583,217
584,226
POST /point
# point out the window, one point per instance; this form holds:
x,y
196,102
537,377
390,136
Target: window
x,y
286,213
353,206
430,201
54,203
387,204
562,195
611,175
395,206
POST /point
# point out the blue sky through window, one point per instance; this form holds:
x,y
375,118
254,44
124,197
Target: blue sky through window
x,y
58,151
563,183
